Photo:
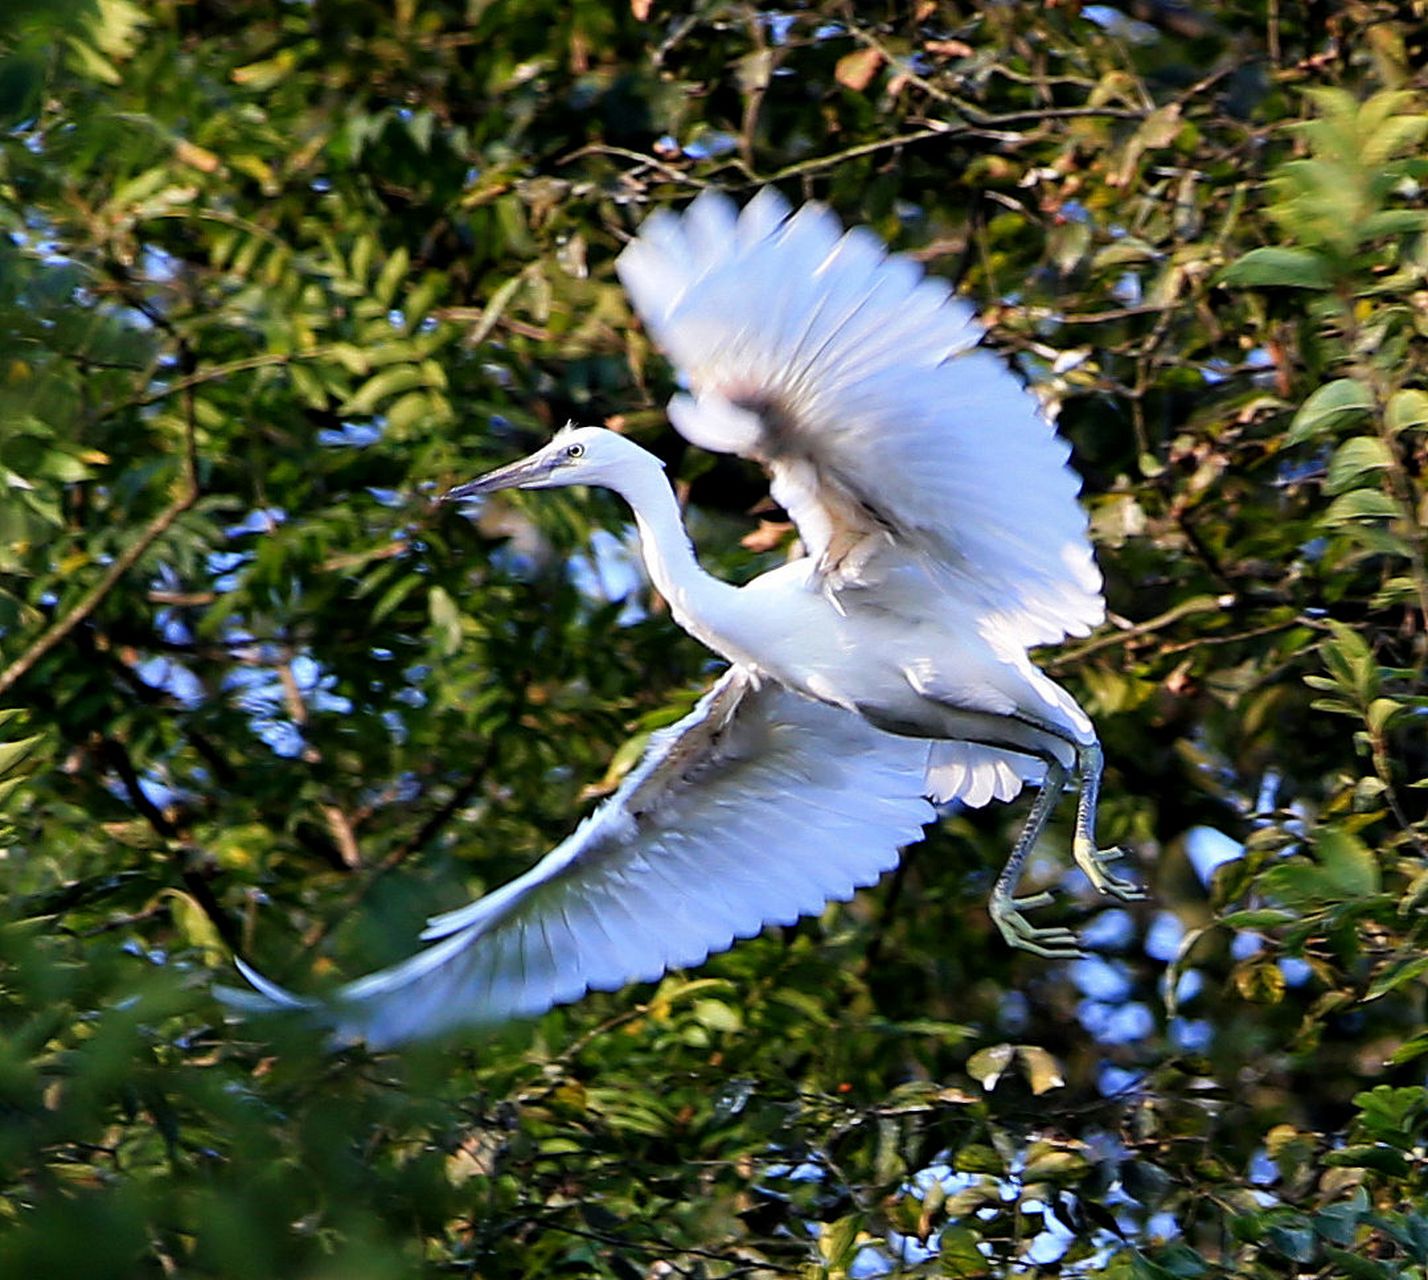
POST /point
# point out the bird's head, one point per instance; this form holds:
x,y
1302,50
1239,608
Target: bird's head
x,y
577,455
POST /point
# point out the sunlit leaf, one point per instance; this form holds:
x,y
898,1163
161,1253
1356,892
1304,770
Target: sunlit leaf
x,y
1333,405
1406,410
1394,976
1360,504
1356,461
856,70
987,1066
1260,983
1042,1070
1277,267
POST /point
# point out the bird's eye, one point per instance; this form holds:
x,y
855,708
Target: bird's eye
x,y
575,451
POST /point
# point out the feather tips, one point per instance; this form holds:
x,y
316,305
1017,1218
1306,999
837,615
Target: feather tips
x,y
858,381
757,808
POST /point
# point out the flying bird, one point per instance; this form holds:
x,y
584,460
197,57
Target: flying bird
x,y
882,672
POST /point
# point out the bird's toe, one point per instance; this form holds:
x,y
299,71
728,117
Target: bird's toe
x,y
1095,863
1053,942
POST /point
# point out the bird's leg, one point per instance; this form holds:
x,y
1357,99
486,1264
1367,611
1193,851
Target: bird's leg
x,y
1006,910
1094,861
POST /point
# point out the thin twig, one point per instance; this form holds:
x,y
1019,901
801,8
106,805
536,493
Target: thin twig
x,y
754,95
1185,609
1253,633
984,120
624,153
663,1249
217,372
156,528
862,149
1103,317
975,115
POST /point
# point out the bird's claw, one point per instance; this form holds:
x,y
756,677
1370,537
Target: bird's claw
x,y
1095,863
1051,941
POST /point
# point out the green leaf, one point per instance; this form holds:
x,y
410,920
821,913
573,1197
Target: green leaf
x,y
1355,1266
352,358
1393,977
268,74
445,620
958,1254
1126,251
1384,1159
393,272
1175,1261
1334,405
977,1157
395,594
1381,711
1351,662
1392,222
716,1015
1354,461
1146,1181
1277,267
194,924
1042,1070
1294,1238
86,60
1396,134
1258,918
838,1242
1406,409
1260,982
1339,1223
382,386
1349,866
987,1066
309,386
406,413
1358,505
493,311
1049,1163
1391,1112
14,754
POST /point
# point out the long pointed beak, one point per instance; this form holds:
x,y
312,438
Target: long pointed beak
x,y
512,476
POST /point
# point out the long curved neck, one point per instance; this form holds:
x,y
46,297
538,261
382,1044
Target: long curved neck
x,y
699,601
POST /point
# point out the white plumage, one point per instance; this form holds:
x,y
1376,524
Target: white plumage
x,y
674,866
888,404
889,664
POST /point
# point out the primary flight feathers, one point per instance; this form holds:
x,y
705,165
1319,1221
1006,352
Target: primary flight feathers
x,y
800,342
675,865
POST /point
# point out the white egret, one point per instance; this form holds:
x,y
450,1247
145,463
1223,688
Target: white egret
x,y
884,668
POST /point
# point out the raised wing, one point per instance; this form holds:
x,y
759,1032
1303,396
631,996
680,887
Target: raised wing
x,y
857,380
757,808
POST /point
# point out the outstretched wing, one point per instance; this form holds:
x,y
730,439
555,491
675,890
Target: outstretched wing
x,y
859,383
757,808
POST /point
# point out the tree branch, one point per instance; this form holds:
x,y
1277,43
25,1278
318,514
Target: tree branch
x,y
156,528
1185,609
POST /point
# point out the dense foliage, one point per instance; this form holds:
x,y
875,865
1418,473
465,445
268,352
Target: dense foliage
x,y
273,273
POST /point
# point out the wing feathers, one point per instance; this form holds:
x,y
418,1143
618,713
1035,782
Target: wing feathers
x,y
858,382
757,808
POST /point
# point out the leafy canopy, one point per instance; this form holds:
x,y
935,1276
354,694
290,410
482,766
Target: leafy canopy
x,y
274,274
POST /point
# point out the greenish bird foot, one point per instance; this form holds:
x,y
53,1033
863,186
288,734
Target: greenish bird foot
x,y
1096,865
1051,941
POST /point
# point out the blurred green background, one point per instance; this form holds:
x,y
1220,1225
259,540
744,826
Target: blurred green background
x,y
273,274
